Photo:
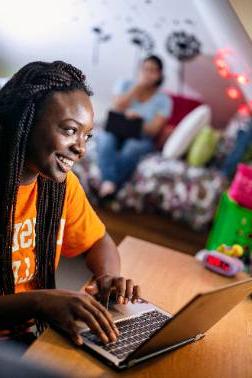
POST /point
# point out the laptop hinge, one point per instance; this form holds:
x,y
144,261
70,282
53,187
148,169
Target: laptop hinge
x,y
199,336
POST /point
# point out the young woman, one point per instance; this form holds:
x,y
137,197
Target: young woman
x,y
46,119
134,99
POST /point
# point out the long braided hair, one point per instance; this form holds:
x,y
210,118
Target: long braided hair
x,y
21,100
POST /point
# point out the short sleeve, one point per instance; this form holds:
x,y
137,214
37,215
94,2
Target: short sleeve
x,y
165,105
82,225
121,87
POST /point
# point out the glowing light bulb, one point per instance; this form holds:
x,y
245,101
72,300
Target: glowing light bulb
x,y
220,63
224,72
242,79
233,93
244,110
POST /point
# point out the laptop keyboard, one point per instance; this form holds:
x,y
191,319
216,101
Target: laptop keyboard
x,y
133,332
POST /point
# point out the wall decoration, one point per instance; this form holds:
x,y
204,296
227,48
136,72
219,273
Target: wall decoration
x,y
100,37
175,22
245,109
143,42
233,93
183,47
188,21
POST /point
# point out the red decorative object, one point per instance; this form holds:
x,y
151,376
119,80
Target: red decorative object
x,y
225,60
224,72
233,93
241,187
220,63
242,79
244,110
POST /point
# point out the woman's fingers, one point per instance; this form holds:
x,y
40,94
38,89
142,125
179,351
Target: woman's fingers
x,y
107,315
104,286
129,291
77,339
98,319
120,285
102,330
126,290
136,294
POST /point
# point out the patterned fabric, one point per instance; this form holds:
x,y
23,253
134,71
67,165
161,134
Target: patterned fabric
x,y
170,186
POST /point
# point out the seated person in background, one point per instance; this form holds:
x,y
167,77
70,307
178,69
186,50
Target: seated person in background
x,y
46,119
141,98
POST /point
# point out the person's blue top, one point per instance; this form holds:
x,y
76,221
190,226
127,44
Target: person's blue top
x,y
160,103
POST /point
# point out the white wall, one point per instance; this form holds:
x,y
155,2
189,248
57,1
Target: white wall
x,y
62,29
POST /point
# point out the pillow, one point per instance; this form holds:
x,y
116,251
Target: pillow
x,y
203,147
186,131
181,107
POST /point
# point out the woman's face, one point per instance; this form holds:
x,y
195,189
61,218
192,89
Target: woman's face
x,y
59,138
150,73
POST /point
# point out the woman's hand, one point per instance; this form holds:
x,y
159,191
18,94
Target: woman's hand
x,y
105,286
130,114
71,311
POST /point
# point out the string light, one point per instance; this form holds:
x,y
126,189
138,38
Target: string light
x,y
242,79
233,93
244,110
224,60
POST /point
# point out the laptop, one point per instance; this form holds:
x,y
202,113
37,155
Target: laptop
x,y
123,127
147,330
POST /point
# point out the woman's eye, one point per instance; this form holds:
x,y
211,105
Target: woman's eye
x,y
70,131
88,137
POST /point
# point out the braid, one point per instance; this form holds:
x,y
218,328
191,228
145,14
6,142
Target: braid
x,y
21,99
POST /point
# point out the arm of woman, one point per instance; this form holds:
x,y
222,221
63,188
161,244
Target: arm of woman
x,y
66,310
17,308
123,101
104,261
154,126
103,257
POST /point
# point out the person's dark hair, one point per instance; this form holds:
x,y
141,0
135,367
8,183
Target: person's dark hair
x,y
22,99
158,61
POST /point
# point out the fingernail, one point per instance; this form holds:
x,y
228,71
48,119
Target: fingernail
x,y
117,331
79,340
120,299
112,336
104,338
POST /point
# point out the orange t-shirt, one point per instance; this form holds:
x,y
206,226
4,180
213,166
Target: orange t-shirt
x,y
79,229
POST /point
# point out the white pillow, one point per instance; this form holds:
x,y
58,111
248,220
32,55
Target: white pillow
x,y
185,132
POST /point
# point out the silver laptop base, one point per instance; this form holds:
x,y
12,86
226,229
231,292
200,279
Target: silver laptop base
x,y
136,361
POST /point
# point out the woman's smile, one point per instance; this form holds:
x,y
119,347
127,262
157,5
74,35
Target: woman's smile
x,y
64,163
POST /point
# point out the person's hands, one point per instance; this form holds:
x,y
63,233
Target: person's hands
x,y
122,289
130,114
71,311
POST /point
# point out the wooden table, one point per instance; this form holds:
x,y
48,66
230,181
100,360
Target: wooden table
x,y
169,279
